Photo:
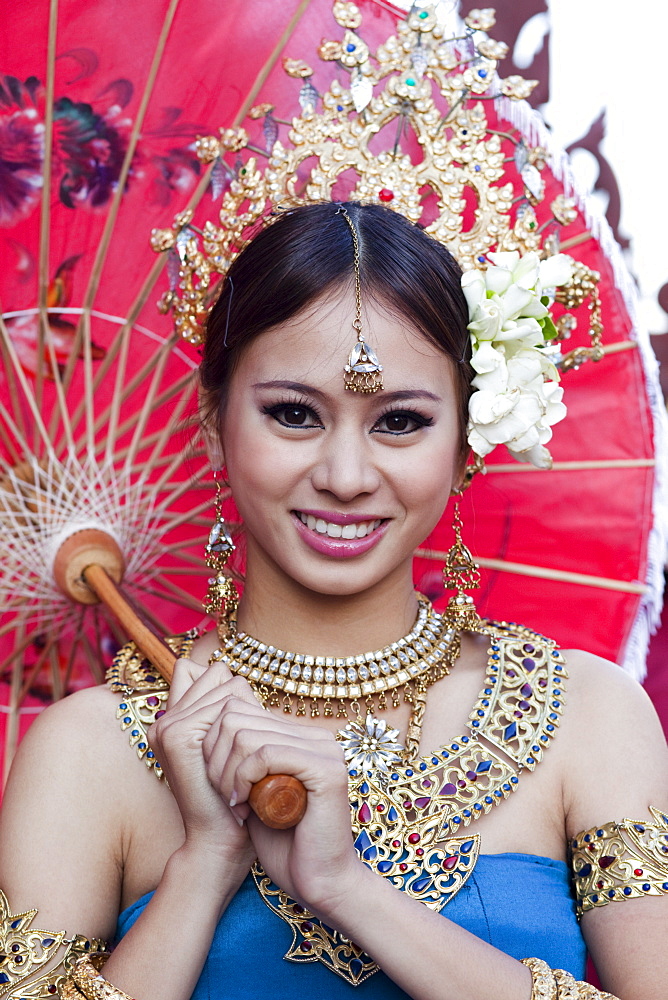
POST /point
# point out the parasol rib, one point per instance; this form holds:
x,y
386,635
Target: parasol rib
x,y
45,208
543,573
103,246
8,369
593,464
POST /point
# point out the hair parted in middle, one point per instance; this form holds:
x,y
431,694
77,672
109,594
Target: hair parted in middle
x,y
306,253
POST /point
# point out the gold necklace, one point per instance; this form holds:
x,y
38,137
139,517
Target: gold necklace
x,y
406,667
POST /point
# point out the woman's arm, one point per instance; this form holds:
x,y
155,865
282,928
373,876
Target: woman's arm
x,y
71,836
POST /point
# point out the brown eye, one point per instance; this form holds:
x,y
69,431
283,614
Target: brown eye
x,y
294,415
397,422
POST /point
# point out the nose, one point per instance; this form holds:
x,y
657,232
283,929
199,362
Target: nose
x,y
345,466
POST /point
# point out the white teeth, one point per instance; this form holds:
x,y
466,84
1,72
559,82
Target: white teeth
x,y
349,531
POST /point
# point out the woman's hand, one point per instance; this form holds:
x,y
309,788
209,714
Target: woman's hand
x,y
315,861
195,702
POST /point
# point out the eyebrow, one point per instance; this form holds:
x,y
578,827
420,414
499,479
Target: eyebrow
x,y
301,387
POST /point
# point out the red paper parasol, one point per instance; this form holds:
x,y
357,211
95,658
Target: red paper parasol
x,y
97,388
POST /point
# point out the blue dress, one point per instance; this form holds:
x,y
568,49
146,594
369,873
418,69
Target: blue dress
x,y
520,903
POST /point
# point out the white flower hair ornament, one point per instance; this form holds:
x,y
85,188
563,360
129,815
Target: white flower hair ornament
x,y
518,398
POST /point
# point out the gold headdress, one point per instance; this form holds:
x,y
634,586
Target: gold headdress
x,y
445,165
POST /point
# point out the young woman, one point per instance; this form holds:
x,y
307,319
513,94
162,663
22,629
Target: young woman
x,y
336,489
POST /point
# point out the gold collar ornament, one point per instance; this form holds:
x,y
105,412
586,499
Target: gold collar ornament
x,y
363,372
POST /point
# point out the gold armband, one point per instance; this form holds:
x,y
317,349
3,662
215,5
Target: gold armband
x,y
85,983
33,965
620,861
556,984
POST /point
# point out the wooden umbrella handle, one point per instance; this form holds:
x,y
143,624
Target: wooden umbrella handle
x,y
279,800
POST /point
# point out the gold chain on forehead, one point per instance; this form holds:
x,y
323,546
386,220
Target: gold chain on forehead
x,y
363,372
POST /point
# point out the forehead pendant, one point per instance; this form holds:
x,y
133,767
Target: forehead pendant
x,y
362,373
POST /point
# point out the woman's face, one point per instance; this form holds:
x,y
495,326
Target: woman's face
x,y
337,488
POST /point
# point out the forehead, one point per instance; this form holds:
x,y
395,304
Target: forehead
x,y
314,345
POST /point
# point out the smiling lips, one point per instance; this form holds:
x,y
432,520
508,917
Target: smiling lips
x,y
339,535
332,529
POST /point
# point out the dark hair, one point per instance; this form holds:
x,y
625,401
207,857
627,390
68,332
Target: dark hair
x,y
306,252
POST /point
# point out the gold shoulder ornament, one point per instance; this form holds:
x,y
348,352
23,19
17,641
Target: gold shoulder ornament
x,y
33,965
621,860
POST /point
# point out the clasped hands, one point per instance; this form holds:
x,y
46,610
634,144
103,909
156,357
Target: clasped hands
x,y
214,742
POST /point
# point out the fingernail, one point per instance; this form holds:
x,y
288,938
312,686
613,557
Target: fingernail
x,y
238,819
233,798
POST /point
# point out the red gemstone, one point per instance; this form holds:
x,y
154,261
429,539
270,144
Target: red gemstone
x,y
637,871
451,862
306,946
591,847
403,867
419,852
414,838
599,884
152,701
461,783
380,807
306,926
408,805
606,861
396,843
297,908
364,815
385,194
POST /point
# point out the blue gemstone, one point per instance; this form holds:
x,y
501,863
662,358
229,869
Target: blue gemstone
x,y
487,691
477,806
628,890
556,704
350,47
356,966
127,720
353,774
455,746
497,793
550,728
394,777
467,812
434,760
384,866
639,827
611,894
47,942
544,739
123,707
594,898
445,755
506,787
456,820
365,848
364,788
599,833
422,883
15,924
496,648
495,656
477,168
476,723
339,107
485,702
465,739
150,755
488,799
587,838
535,749
392,815
510,731
423,766
482,73
466,848
553,716
142,746
409,772
514,779
135,732
150,679
646,887
483,766
4,978
665,886
530,760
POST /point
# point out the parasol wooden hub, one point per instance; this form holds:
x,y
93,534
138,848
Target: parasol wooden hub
x,y
82,550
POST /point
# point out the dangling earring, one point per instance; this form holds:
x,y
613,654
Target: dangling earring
x,y
461,573
221,598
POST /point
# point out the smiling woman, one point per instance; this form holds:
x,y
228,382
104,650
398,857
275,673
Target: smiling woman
x,y
408,726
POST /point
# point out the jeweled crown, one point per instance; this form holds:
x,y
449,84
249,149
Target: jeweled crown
x,y
437,101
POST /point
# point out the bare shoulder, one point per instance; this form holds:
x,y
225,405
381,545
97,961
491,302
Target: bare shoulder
x,y
616,754
64,813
